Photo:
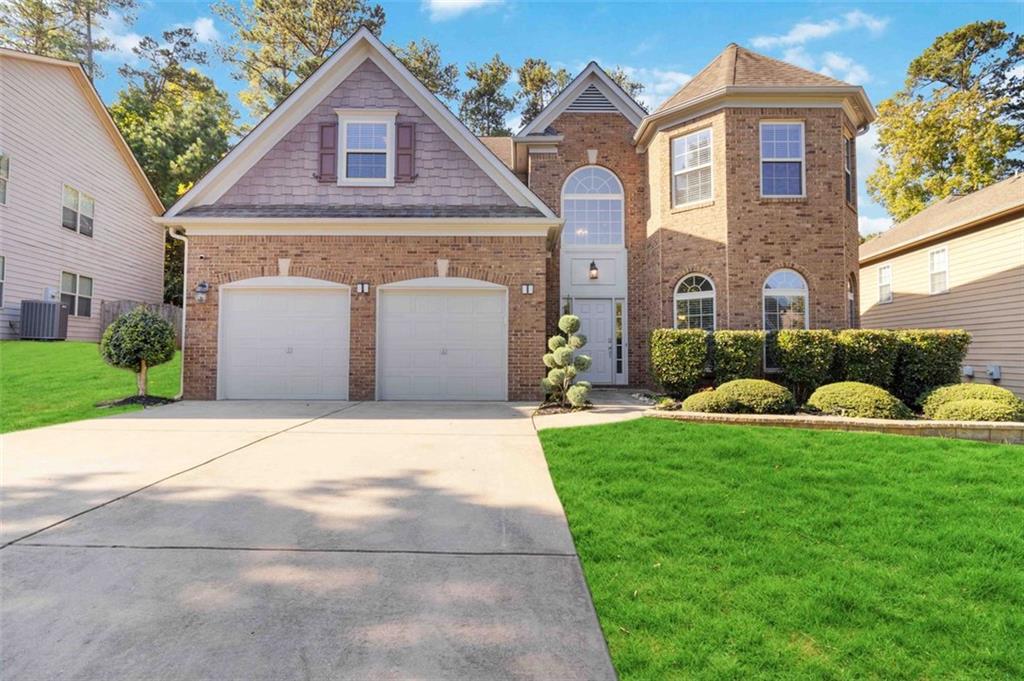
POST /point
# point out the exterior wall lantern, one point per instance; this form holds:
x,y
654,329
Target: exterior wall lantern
x,y
202,288
593,270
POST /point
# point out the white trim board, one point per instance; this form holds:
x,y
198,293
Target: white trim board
x,y
361,46
591,75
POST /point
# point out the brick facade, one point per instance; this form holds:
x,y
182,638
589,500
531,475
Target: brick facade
x,y
508,261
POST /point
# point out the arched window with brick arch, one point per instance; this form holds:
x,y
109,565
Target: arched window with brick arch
x,y
695,303
593,208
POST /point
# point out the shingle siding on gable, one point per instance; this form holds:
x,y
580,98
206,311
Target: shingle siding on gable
x,y
445,174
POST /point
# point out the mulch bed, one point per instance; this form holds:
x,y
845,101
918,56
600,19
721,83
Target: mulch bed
x,y
550,408
144,400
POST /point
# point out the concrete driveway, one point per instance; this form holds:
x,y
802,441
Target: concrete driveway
x,y
261,540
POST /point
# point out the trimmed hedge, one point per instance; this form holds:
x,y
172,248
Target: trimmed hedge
x,y
858,400
976,410
757,396
679,359
936,399
867,356
737,354
709,401
928,359
805,359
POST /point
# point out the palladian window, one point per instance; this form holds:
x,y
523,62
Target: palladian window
x,y
592,206
695,303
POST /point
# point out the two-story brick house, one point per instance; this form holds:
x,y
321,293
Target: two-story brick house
x,y
362,243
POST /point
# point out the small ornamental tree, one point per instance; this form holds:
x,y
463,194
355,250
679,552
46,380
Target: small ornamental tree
x,y
564,365
138,340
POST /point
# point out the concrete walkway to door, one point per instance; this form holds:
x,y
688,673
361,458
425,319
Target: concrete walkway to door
x,y
263,540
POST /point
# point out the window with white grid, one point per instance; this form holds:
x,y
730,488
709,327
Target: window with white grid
x,y
885,284
938,270
782,159
691,168
592,206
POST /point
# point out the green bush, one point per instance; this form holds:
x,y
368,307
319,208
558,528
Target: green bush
x,y
137,341
928,358
710,401
679,358
737,354
560,385
976,410
867,356
859,400
934,400
757,396
805,359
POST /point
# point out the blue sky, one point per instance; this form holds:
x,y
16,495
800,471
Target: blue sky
x,y
660,44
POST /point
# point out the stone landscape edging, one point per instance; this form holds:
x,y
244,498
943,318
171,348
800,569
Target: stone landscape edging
x,y
984,431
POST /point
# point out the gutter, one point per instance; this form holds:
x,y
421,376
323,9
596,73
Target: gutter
x,y
174,233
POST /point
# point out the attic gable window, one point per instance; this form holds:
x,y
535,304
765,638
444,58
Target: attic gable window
x,y
77,211
366,140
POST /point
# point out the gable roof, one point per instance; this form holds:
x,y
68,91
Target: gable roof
x,y
948,215
739,72
102,114
362,45
591,84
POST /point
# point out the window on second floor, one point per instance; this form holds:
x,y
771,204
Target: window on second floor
x,y
938,271
367,148
848,154
5,176
691,168
593,208
78,209
885,284
76,293
782,159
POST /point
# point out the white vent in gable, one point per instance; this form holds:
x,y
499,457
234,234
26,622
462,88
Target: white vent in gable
x,y
591,100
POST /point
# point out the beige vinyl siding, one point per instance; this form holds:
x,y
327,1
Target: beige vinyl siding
x,y
54,137
985,297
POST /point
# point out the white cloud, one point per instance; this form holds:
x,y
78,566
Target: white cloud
x,y
115,29
836,65
205,31
442,10
868,225
659,84
805,31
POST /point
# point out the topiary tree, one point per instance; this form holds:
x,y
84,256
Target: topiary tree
x,y
564,365
138,340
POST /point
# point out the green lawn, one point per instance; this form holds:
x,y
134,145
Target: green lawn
x,y
46,383
730,552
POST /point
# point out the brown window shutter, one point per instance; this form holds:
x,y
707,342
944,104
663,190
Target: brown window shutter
x,y
405,152
327,170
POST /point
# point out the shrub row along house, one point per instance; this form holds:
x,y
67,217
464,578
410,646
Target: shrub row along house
x,y
361,243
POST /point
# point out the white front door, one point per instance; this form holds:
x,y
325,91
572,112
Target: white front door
x,y
287,343
597,323
447,344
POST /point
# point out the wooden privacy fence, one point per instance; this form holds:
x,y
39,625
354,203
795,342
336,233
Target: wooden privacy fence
x,y
112,309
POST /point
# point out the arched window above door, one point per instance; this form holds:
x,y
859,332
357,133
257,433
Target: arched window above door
x,y
592,205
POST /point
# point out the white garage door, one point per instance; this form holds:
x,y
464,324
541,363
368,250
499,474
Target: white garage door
x,y
285,343
443,345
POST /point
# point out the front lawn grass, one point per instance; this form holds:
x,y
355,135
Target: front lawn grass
x,y
719,551
42,383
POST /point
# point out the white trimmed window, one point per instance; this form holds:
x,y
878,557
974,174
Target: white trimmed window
x,y
592,206
786,301
3,278
885,284
367,144
78,210
848,155
5,176
938,270
691,168
782,159
695,303
76,293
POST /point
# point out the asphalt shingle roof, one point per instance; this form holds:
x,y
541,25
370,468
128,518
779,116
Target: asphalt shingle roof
x,y
350,211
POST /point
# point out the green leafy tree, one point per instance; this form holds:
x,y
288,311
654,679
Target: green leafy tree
x,y
633,87
177,123
423,58
956,125
485,106
278,43
137,341
538,85
565,364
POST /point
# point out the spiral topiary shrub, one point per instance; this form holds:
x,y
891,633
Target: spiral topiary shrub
x,y
737,354
867,356
976,410
757,396
137,341
679,358
928,358
859,400
805,359
709,401
936,399
560,385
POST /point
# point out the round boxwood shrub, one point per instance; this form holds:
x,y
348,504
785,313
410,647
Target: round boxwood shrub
x,y
138,340
757,396
934,400
710,401
859,400
976,410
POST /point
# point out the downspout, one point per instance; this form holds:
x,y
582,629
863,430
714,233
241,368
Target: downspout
x,y
174,233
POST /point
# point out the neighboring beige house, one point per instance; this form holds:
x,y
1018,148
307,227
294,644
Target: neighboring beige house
x,y
76,210
957,264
